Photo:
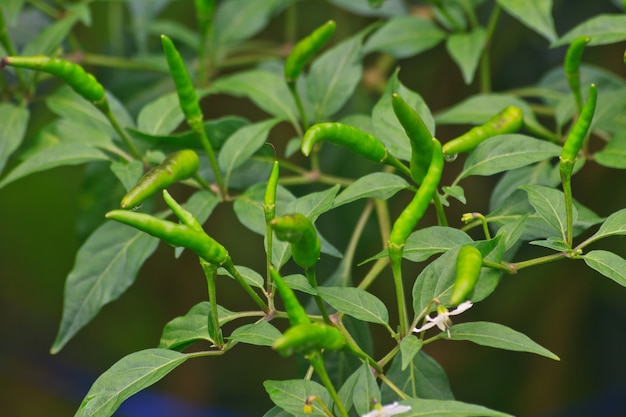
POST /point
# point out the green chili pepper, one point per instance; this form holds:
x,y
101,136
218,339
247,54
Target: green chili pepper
x,y
296,229
305,49
296,313
183,215
359,142
175,234
419,135
469,261
508,120
572,67
73,74
269,202
177,166
305,338
577,135
414,211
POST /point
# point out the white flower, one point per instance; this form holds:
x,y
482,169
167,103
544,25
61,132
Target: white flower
x,y
387,410
442,320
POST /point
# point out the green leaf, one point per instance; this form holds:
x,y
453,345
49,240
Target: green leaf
x,y
249,275
366,390
334,75
429,241
291,396
266,89
355,302
160,116
346,392
386,125
51,157
409,347
613,155
105,266
14,123
602,29
608,264
555,244
127,172
183,331
404,36
466,49
261,333
236,20
436,408
550,205
128,376
48,39
507,152
71,131
299,282
249,206
536,14
200,205
363,8
242,144
456,192
614,225
377,185
498,336
422,378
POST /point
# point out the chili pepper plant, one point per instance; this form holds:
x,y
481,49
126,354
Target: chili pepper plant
x,y
333,88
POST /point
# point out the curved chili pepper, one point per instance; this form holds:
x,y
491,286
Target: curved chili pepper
x,y
469,261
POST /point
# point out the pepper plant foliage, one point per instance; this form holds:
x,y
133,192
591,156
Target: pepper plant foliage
x,y
331,315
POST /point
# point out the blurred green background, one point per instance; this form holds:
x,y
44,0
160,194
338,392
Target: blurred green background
x,y
571,310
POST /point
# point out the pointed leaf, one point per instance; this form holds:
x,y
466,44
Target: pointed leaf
x,y
355,302
334,76
249,275
498,336
192,327
260,333
550,205
613,155
466,49
377,185
602,29
404,36
160,116
14,122
608,264
409,347
105,266
128,376
291,396
242,144
236,20
507,152
614,225
366,391
436,408
54,156
127,172
536,14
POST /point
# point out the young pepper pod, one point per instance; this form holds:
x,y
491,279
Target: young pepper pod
x,y
419,136
296,313
571,65
509,120
359,142
305,49
298,230
71,73
469,261
175,167
577,135
305,338
175,234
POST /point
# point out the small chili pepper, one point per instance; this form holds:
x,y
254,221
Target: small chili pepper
x,y
175,234
469,261
269,201
296,313
177,166
72,74
305,49
572,67
508,120
359,142
419,135
305,338
183,215
577,135
296,229
414,211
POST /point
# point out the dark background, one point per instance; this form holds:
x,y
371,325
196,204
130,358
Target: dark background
x,y
568,308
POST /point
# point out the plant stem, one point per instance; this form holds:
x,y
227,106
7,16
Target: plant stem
x,y
485,59
395,254
312,278
317,362
230,267
125,138
214,327
374,272
198,127
393,386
